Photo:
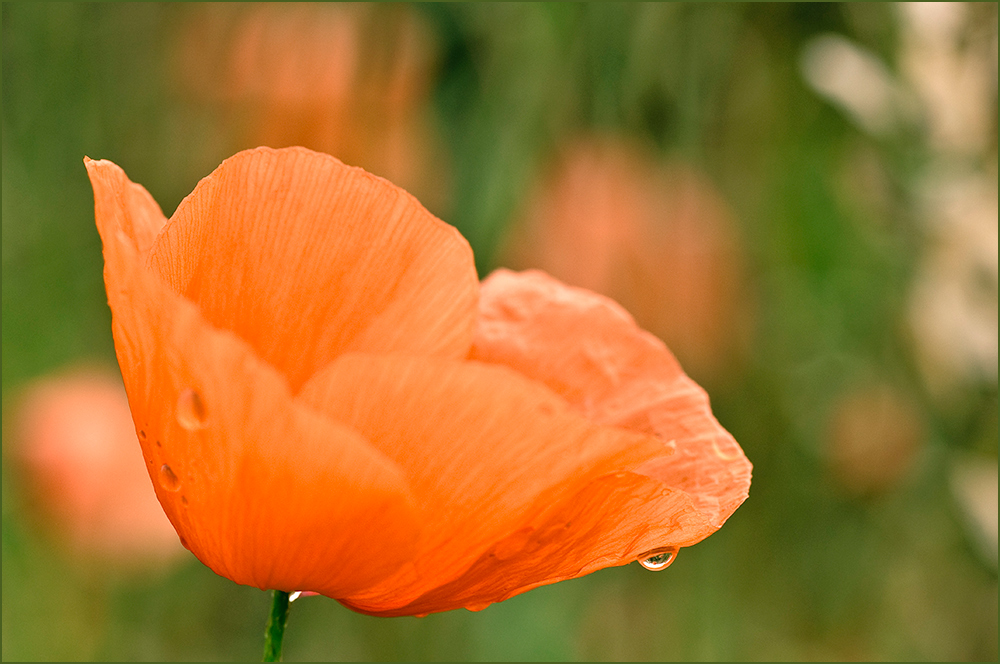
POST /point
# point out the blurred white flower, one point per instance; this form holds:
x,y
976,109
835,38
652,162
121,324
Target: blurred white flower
x,y
949,59
855,80
974,484
955,80
954,303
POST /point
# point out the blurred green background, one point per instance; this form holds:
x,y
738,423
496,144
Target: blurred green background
x,y
847,159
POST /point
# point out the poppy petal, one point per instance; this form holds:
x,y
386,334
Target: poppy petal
x,y
262,489
138,216
589,350
614,520
480,446
317,259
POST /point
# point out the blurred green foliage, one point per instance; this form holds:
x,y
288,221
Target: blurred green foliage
x,y
803,570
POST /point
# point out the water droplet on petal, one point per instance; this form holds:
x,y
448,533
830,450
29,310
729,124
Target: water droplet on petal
x,y
294,596
659,559
191,410
728,451
478,607
168,479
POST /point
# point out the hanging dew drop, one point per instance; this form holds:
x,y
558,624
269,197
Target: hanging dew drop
x,y
168,479
659,559
294,596
478,607
191,413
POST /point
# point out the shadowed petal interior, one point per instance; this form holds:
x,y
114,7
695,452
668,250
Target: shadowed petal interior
x,y
613,520
480,446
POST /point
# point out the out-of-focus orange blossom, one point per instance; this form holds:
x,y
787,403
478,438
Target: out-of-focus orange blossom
x,y
874,435
656,237
75,445
352,80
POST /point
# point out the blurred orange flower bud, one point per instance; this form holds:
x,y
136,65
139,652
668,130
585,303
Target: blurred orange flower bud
x,y
874,436
76,445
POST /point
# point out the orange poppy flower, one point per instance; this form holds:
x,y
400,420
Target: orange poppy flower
x,y
326,400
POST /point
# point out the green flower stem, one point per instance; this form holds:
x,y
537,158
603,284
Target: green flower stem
x,y
275,630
